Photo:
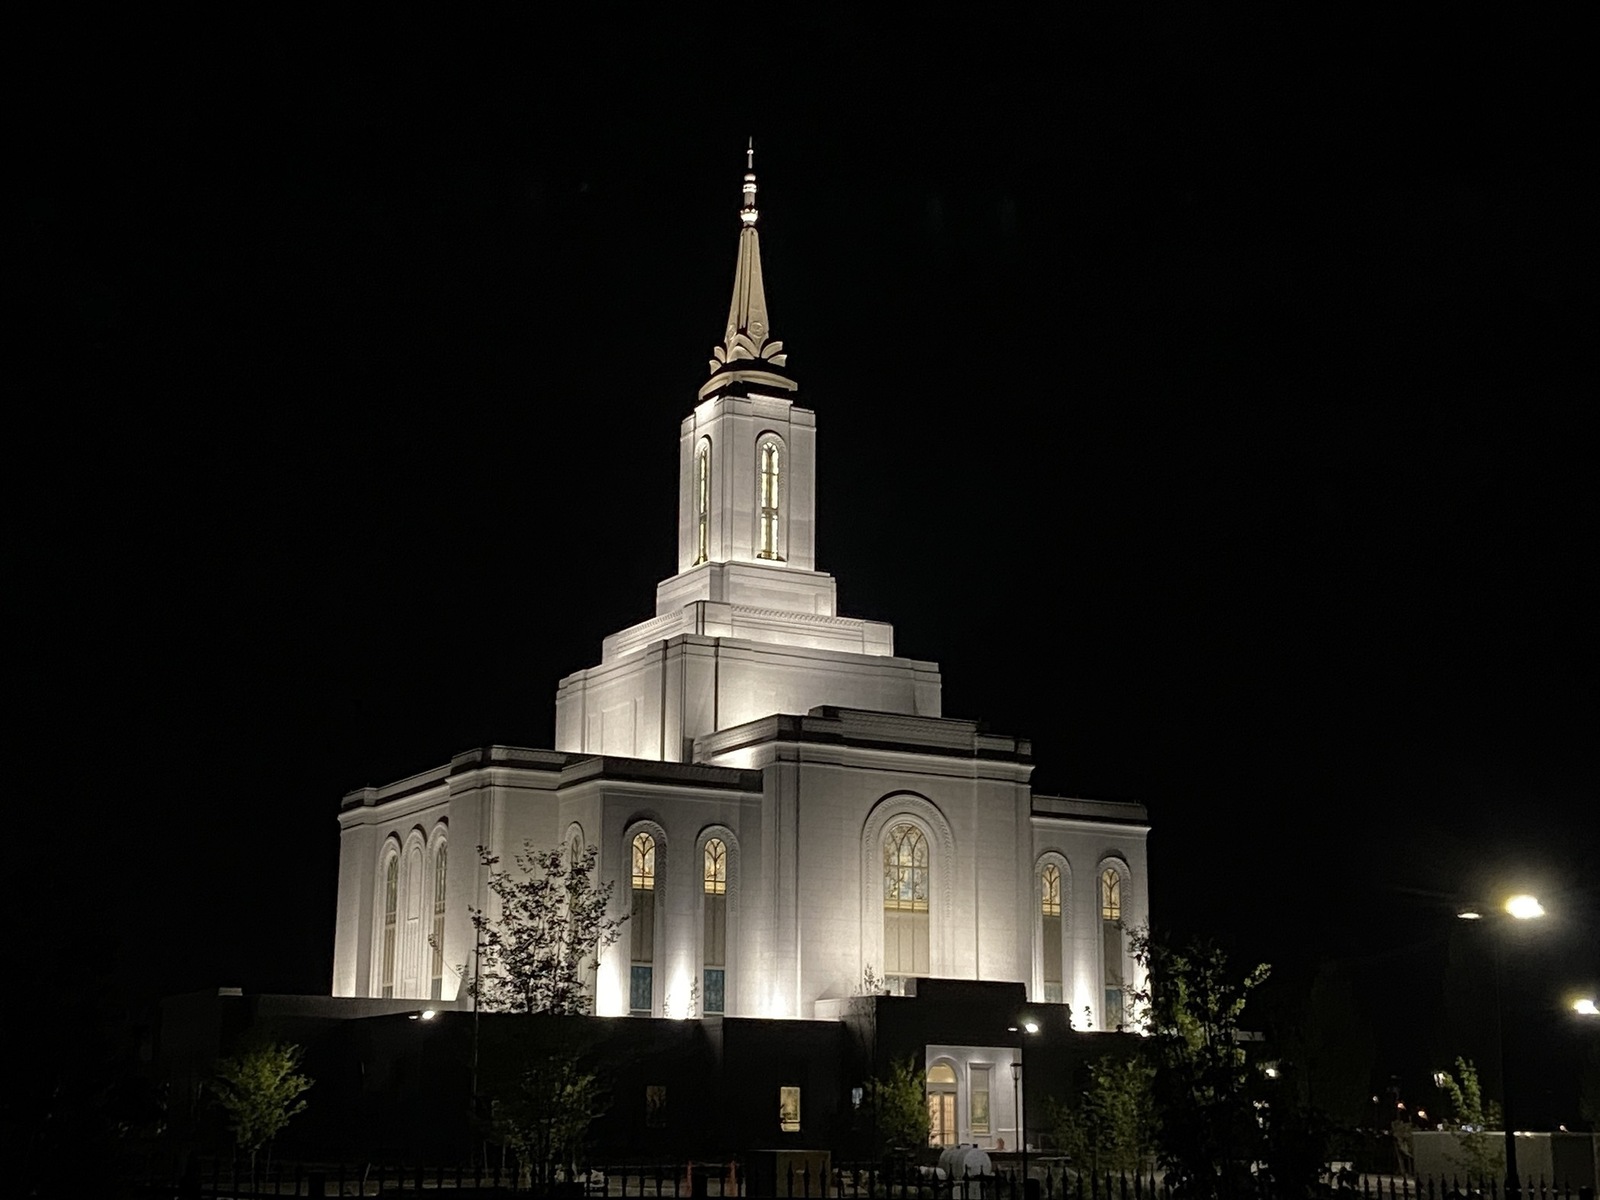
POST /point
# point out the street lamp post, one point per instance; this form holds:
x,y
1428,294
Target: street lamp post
x,y
1016,1103
1521,908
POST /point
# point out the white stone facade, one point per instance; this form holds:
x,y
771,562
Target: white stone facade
x,y
748,715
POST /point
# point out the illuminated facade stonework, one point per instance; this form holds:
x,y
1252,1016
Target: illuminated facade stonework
x,y
775,794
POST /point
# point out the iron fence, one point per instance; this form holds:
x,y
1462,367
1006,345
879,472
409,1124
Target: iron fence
x,y
221,1180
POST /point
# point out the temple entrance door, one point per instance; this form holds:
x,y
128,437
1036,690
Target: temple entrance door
x,y
941,1105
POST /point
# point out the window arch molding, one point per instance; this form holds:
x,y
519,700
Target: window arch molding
x,y
662,889
770,537
907,808
1129,918
1058,860
730,844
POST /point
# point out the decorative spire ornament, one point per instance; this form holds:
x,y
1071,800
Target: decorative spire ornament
x,y
748,354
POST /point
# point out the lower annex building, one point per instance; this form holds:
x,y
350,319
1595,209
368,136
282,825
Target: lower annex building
x,y
776,796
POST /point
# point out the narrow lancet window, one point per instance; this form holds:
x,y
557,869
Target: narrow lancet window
x,y
702,503
771,493
642,927
1111,946
436,938
905,905
391,910
713,1001
1050,922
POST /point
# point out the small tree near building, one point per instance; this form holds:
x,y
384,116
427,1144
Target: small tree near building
x,y
259,1091
898,1103
544,1119
1480,1153
1112,1125
538,953
1191,1005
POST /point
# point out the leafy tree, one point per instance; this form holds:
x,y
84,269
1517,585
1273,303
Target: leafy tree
x,y
544,1118
1113,1125
898,1102
260,1090
1478,1152
1191,1004
537,954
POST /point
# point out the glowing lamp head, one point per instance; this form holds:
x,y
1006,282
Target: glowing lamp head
x,y
1585,1007
1031,1026
1524,908
1469,914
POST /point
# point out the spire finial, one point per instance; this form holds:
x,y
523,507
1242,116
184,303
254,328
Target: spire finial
x,y
749,214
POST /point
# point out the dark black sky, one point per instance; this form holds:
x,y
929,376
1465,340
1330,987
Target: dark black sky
x,y
1210,398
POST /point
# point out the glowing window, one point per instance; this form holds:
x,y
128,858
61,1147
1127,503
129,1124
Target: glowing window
x,y
789,1109
1110,895
1050,932
978,1106
714,989
771,493
1111,952
644,863
436,940
642,928
905,902
391,910
716,868
702,503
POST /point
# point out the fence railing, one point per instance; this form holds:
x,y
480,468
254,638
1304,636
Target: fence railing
x,y
846,1181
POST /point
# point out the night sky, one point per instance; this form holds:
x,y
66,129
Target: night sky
x,y
1211,399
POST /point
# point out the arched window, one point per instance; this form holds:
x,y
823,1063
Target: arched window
x,y
436,938
702,502
771,466
1050,932
642,927
713,1000
905,905
411,930
391,911
941,1105
1111,953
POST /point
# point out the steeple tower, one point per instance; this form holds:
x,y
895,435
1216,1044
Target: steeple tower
x,y
747,627
748,353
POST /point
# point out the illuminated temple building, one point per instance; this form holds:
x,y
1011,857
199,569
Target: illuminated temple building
x,y
776,795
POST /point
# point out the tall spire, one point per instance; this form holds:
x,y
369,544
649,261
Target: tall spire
x,y
748,354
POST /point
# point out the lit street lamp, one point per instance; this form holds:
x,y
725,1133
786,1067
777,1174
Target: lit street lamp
x,y
1585,1007
1521,908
